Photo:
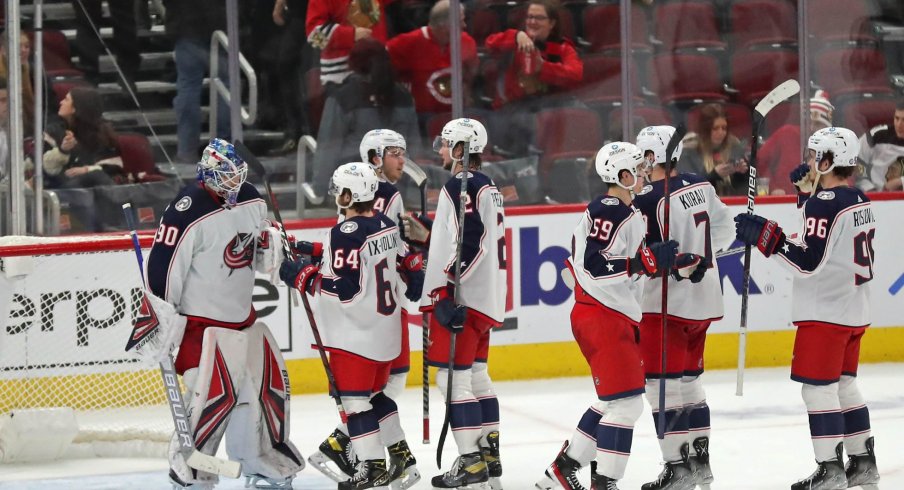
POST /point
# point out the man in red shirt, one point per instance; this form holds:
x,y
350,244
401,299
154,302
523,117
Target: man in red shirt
x,y
334,26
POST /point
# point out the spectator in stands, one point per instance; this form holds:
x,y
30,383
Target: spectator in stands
x,y
879,148
781,153
714,153
190,24
85,154
293,59
422,59
88,45
369,99
28,95
335,26
538,61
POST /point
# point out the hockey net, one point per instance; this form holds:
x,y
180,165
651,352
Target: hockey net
x,y
69,306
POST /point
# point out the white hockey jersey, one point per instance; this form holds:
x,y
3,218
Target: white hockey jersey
x,y
832,259
203,256
608,236
483,261
357,306
701,224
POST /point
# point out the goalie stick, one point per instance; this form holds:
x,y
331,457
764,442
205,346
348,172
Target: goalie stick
x,y
784,91
419,177
145,329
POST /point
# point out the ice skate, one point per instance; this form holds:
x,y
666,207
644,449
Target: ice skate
x,y
699,463
861,470
264,483
601,482
675,475
563,472
402,470
371,474
490,454
336,449
180,485
468,471
829,475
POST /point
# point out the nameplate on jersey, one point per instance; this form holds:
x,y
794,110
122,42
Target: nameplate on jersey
x,y
692,198
383,244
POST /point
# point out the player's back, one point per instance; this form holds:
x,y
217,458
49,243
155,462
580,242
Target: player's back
x,y
388,200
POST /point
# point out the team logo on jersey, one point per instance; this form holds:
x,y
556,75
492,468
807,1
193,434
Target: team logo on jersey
x,y
645,189
183,204
610,201
239,252
348,227
826,195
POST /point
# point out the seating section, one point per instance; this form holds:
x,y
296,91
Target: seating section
x,y
852,70
759,22
697,28
755,73
860,115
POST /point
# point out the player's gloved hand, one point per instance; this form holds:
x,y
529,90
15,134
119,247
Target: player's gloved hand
x,y
412,270
448,314
311,249
300,274
415,228
650,260
800,177
690,266
767,235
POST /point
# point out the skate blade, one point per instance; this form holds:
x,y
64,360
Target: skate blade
x,y
546,483
868,486
258,482
704,486
409,477
321,463
473,486
495,483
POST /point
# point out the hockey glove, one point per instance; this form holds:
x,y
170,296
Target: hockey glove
x,y
651,260
448,314
311,249
412,270
690,266
415,229
800,177
300,274
756,230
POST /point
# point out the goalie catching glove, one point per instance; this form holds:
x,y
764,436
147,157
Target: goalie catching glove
x,y
765,234
415,229
650,260
300,274
448,314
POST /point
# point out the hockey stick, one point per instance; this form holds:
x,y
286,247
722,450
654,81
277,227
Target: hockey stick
x,y
334,390
784,91
255,164
462,200
193,458
419,177
670,160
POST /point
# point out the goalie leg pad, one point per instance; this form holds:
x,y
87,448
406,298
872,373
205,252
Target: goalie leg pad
x,y
258,432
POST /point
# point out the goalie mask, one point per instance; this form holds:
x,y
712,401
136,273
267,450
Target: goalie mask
x,y
458,131
656,139
360,179
615,157
841,142
222,170
380,140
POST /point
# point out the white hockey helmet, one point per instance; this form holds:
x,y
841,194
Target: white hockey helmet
x,y
656,139
359,178
379,140
615,157
843,144
463,129
222,170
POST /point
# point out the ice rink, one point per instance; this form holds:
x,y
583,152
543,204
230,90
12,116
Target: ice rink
x,y
759,441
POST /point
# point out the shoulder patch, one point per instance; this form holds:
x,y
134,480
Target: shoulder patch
x,y
183,204
610,201
826,195
348,227
647,188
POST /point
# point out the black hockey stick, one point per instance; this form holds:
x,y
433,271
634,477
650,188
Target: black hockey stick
x,y
676,138
419,177
462,200
255,165
193,458
780,93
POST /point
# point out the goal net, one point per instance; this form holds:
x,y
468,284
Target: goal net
x,y
68,308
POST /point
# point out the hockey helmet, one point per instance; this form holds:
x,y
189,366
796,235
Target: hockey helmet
x,y
841,142
459,130
359,178
615,157
379,140
222,170
656,139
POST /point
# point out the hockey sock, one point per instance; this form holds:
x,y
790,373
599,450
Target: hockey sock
x,y
486,395
856,416
466,416
364,431
387,413
582,447
695,406
396,385
826,419
676,419
614,435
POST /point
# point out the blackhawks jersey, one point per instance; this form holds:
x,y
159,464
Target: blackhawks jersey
x,y
701,224
202,260
832,259
608,236
483,262
358,307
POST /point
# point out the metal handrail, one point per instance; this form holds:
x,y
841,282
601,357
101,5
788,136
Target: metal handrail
x,y
305,143
217,86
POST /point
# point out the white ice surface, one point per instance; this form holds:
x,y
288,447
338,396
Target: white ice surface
x,y
759,441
